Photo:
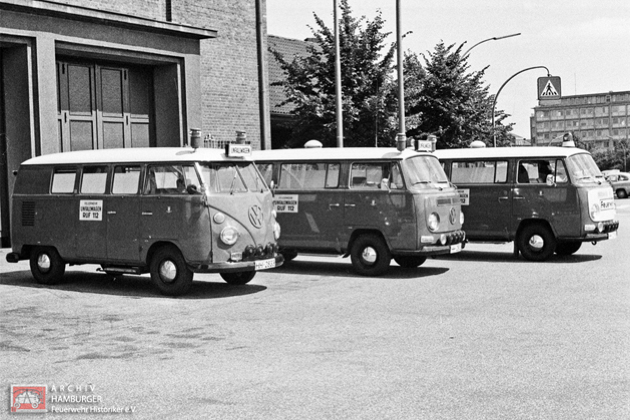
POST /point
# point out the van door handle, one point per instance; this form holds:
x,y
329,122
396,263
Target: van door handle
x,y
518,197
147,213
111,212
331,205
350,205
504,198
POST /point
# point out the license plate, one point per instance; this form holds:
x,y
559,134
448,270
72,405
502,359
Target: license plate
x,y
456,248
612,235
265,264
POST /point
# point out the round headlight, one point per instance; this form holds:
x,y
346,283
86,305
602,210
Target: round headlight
x,y
461,217
276,230
229,235
433,222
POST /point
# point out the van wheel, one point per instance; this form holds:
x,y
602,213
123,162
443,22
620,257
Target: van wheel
x,y
568,248
169,272
370,255
408,261
536,242
46,265
621,194
238,279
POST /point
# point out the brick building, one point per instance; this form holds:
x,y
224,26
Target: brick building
x,y
599,119
92,74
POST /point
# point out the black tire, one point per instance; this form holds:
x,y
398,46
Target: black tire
x,y
169,271
567,248
370,255
621,194
410,261
289,255
46,265
238,279
536,242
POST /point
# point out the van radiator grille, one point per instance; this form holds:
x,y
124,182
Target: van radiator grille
x,y
28,213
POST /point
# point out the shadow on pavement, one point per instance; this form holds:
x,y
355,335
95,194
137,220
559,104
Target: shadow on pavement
x,y
508,257
344,269
128,285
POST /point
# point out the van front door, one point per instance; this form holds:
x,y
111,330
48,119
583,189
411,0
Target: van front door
x,y
546,194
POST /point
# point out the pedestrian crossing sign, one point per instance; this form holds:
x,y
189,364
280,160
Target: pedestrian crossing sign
x,y
549,87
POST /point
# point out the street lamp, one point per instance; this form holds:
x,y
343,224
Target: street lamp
x,y
486,40
494,102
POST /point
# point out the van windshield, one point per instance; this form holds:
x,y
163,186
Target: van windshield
x,y
583,169
424,170
232,177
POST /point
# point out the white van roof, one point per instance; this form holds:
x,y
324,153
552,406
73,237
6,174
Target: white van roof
x,y
508,152
334,153
134,155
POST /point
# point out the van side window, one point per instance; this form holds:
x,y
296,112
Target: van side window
x,y
126,180
63,180
479,172
539,169
94,180
332,175
308,176
369,175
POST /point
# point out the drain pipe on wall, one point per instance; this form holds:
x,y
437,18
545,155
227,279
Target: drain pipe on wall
x,y
263,78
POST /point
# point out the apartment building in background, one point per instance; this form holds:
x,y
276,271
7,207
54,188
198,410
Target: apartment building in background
x,y
599,120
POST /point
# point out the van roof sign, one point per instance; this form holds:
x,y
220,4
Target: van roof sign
x,y
424,145
238,150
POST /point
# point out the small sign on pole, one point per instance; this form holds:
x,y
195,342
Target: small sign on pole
x,y
549,87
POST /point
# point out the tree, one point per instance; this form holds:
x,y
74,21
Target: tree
x,y
449,102
366,67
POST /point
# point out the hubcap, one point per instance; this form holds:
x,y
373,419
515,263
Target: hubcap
x,y
43,263
369,255
536,242
168,271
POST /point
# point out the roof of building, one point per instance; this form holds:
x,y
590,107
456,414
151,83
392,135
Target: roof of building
x,y
135,155
289,48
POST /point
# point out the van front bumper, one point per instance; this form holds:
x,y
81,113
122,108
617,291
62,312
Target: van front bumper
x,y
239,266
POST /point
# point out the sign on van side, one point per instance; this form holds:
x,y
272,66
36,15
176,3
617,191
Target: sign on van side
x,y
464,196
91,210
286,203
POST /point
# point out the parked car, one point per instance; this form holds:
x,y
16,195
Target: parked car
x,y
620,182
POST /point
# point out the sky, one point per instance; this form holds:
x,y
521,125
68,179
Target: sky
x,y
584,42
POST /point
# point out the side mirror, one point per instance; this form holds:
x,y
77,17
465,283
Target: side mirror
x,y
551,180
384,184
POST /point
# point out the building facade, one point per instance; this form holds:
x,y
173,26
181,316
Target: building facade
x,y
96,74
599,120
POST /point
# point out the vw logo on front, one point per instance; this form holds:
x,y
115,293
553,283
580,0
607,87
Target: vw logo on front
x,y
256,216
452,217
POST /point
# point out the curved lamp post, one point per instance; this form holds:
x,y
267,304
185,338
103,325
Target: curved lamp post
x,y
494,102
495,38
